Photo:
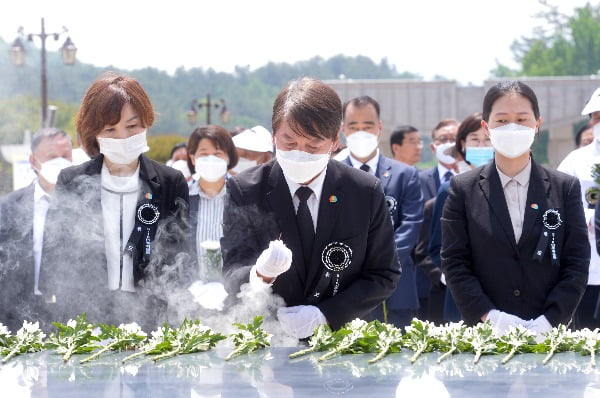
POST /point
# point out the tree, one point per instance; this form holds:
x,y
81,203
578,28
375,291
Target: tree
x,y
570,47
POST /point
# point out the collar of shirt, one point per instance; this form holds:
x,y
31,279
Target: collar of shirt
x,y
120,184
195,190
372,163
442,171
38,192
316,185
522,177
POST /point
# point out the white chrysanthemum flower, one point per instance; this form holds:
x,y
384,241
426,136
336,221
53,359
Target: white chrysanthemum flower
x,y
4,330
157,334
132,328
72,323
210,245
357,324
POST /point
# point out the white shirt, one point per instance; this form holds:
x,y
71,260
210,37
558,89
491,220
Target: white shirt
x,y
372,163
579,164
209,225
442,171
41,201
119,200
515,193
313,200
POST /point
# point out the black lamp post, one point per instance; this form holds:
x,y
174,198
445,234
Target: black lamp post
x,y
17,55
207,103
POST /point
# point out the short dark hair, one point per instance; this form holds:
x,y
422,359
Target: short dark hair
x,y
397,136
506,87
360,102
470,124
102,105
310,107
219,137
580,133
176,147
47,133
444,123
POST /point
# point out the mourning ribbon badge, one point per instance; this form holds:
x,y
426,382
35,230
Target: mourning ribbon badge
x,y
146,218
336,257
551,221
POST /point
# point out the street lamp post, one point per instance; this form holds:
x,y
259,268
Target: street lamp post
x,y
207,103
17,54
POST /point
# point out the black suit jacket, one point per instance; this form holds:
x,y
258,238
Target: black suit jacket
x,y
486,268
352,212
17,301
75,256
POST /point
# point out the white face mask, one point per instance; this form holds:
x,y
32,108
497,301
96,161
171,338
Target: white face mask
x,y
182,166
244,164
51,169
210,168
361,144
596,131
512,140
123,150
300,166
441,155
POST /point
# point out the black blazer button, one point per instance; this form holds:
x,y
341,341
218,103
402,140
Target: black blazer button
x,y
517,292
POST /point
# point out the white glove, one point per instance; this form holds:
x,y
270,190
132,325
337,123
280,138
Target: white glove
x,y
540,325
274,260
300,321
501,321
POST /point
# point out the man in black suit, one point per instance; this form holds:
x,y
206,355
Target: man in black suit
x,y
429,287
22,219
362,128
334,219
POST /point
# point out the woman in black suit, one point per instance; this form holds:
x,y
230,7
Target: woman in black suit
x,y
118,221
514,238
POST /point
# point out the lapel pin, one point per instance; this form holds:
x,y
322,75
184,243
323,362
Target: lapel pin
x,y
386,173
148,195
535,206
333,199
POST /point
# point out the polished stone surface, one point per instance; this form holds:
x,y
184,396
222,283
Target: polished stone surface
x,y
270,373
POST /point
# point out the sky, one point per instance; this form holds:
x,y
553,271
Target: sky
x,y
460,39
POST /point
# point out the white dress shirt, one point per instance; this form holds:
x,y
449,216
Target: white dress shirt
x,y
313,200
372,163
515,193
442,171
119,200
41,201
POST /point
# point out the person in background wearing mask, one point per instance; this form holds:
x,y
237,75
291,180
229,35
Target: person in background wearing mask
x,y
212,154
472,143
584,136
178,152
362,128
117,221
406,145
514,238
22,219
313,229
443,137
579,163
254,146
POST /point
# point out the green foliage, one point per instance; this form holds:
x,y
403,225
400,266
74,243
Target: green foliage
x,y
123,337
161,145
571,47
190,337
250,338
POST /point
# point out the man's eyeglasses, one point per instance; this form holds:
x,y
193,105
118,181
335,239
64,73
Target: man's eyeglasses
x,y
445,139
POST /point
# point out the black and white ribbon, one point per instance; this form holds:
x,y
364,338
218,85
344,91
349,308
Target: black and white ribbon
x,y
336,257
552,221
147,215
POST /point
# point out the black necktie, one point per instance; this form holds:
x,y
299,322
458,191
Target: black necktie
x,y
448,175
305,223
365,167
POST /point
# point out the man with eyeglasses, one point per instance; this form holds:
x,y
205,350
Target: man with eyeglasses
x,y
443,137
406,144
